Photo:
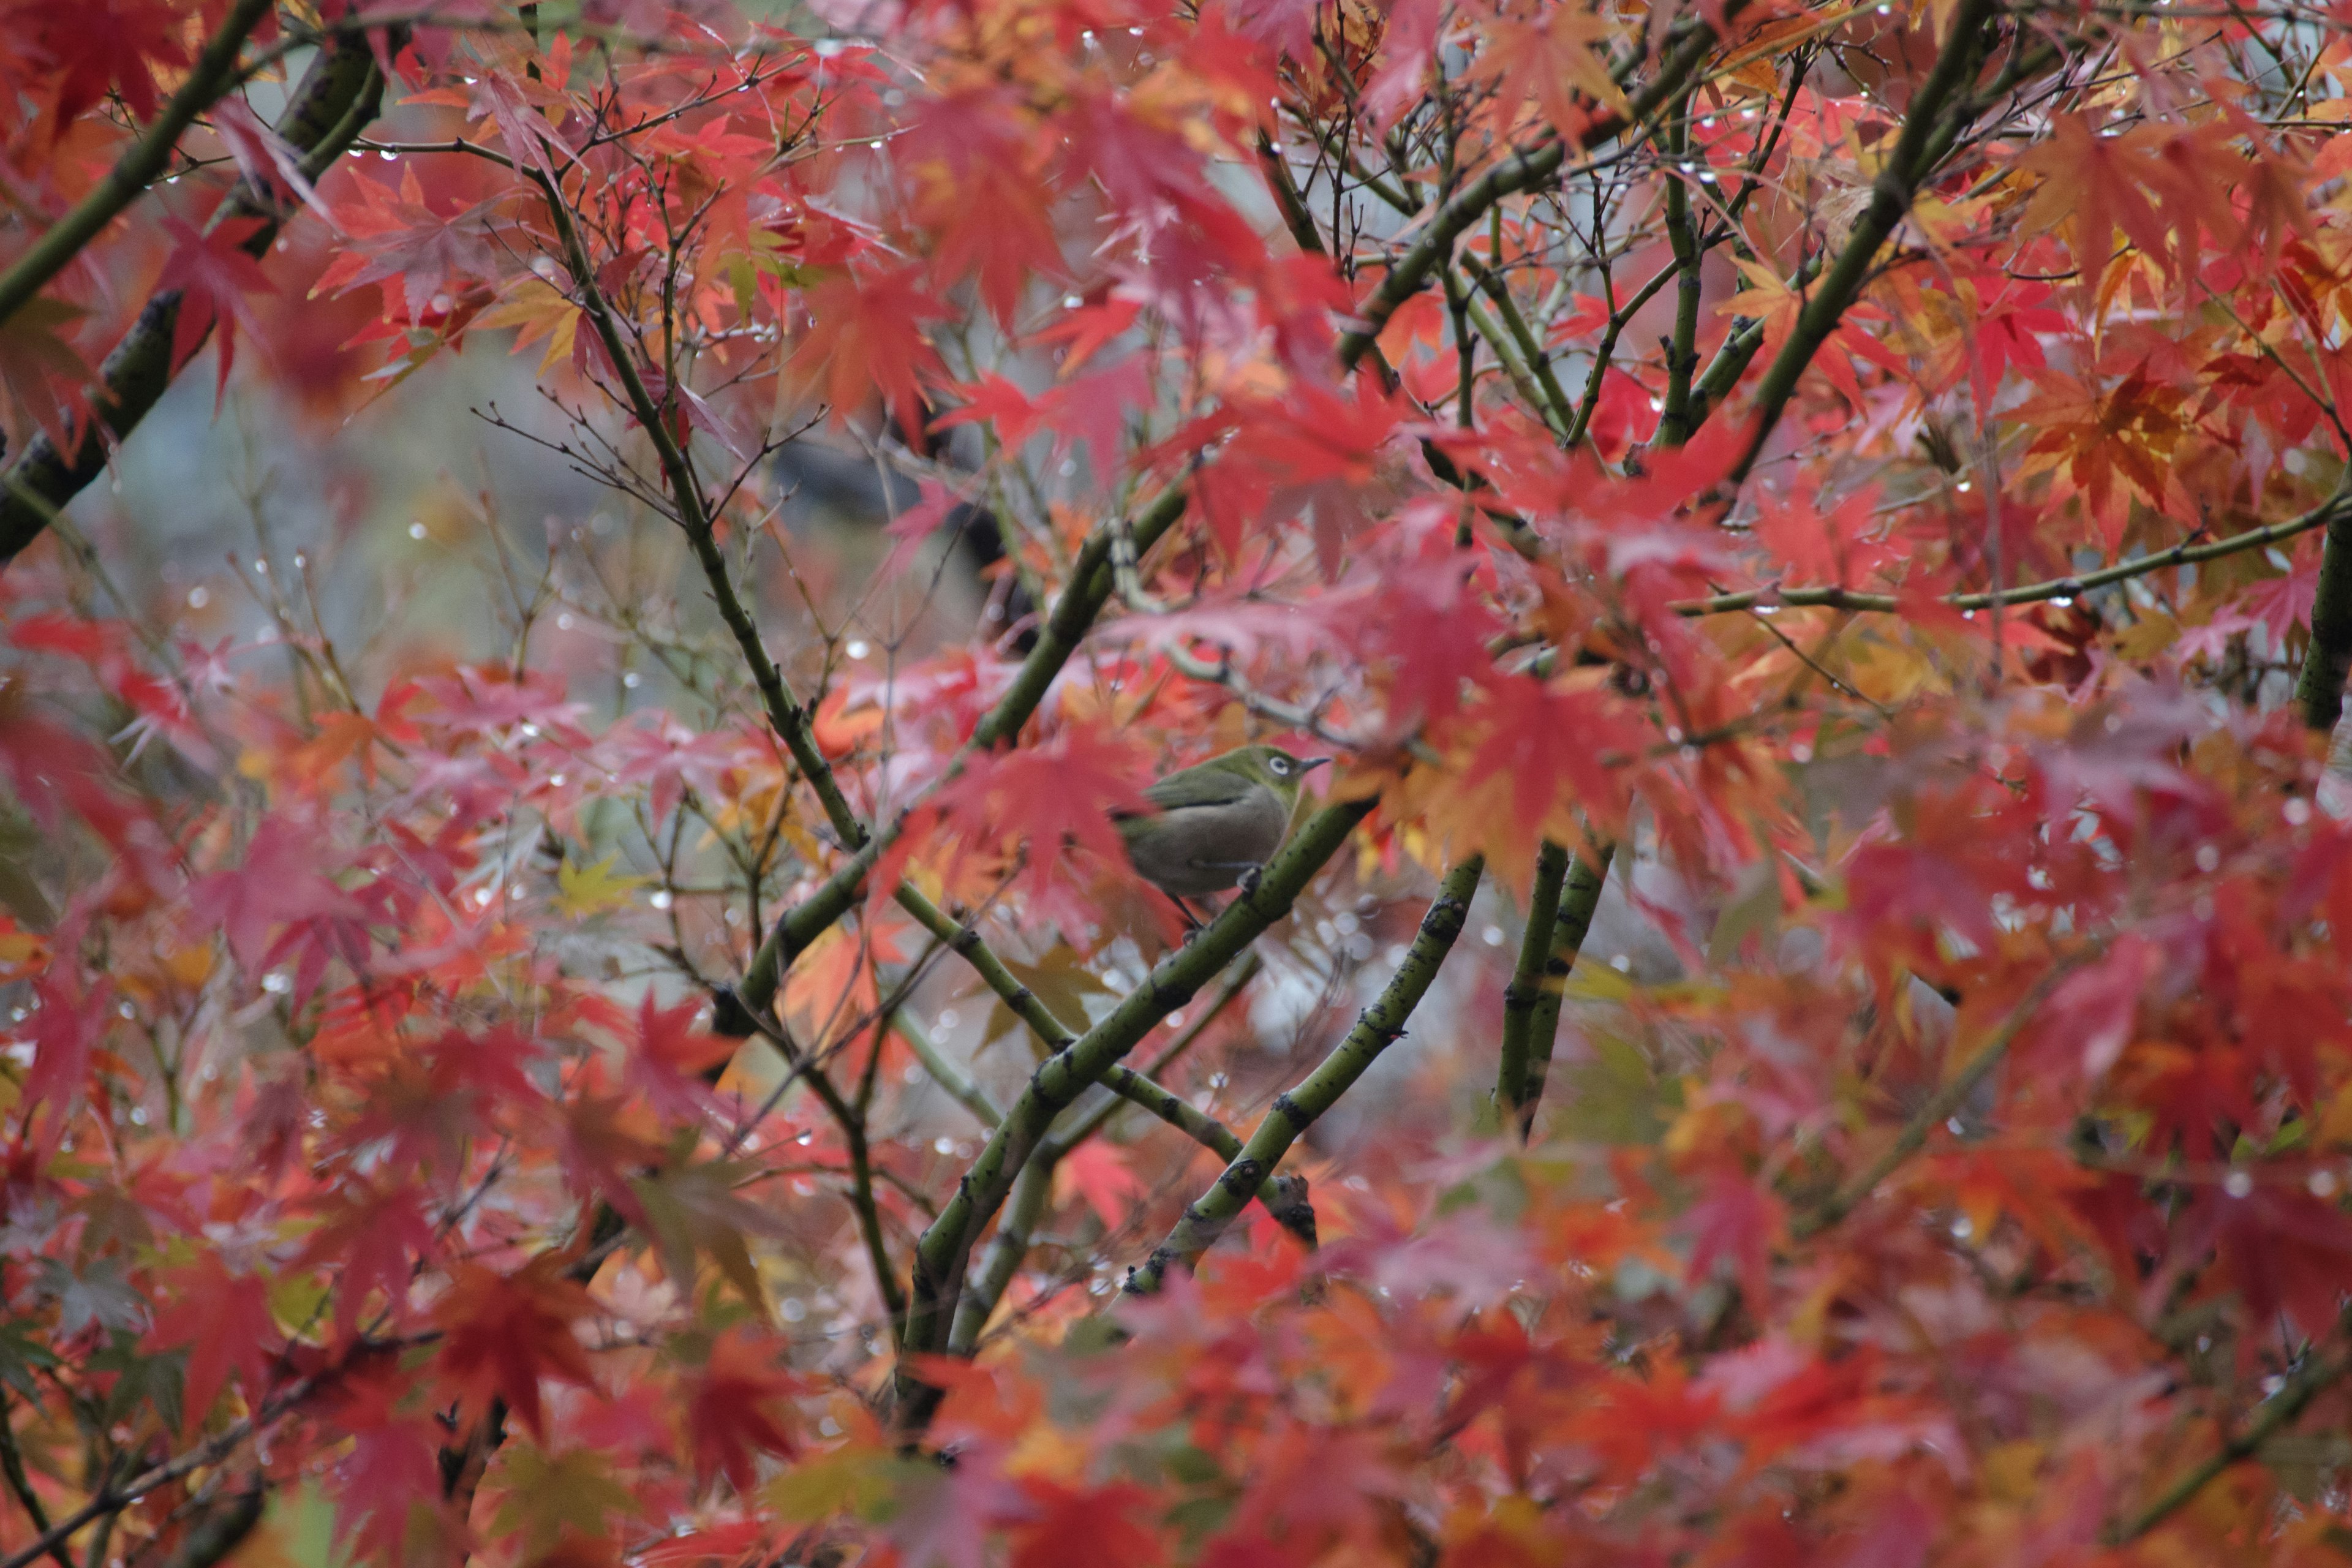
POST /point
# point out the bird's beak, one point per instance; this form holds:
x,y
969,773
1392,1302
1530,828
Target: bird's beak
x,y
1309,764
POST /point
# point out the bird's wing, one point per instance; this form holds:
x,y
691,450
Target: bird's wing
x,y
1199,786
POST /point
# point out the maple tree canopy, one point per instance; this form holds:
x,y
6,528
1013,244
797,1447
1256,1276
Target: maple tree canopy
x,y
1810,1021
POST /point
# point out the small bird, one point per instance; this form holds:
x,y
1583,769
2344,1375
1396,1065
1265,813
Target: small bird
x,y
1218,822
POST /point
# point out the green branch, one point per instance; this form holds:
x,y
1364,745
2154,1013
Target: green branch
x,y
1032,1200
851,1120
12,1466
2319,689
2316,1377
1675,420
1288,1206
1136,1088
1522,171
1033,1191
214,75
1525,989
787,716
945,1249
338,95
1380,1025
1530,367
1917,149
218,1532
2334,513
1073,614
1579,897
947,1075
1937,1110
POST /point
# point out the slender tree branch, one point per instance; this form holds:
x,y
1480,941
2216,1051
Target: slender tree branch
x,y
1923,135
1522,171
12,1466
2307,1382
219,1531
1032,1200
1579,897
1525,989
1380,1025
2319,689
1126,1082
1023,1003
338,95
214,75
2334,513
947,1075
861,1193
1675,420
1288,1207
945,1249
1090,587
1287,199
113,1496
1739,351
787,716
1549,398
1935,1109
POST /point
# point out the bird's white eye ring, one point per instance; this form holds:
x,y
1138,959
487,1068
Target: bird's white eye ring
x,y
1280,766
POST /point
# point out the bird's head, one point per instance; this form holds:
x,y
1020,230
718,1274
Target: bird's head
x,y
1274,767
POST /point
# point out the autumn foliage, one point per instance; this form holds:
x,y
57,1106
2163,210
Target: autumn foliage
x,y
1809,1022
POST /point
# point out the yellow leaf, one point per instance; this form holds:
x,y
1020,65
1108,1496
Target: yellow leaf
x,y
538,311
2336,1121
296,1530
22,952
189,966
586,890
2012,1468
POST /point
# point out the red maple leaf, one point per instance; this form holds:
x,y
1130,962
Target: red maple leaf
x,y
213,276
225,1321
974,169
734,1409
1048,798
1078,1527
670,1057
1099,1172
388,1483
2284,1250
866,333
1736,1218
372,1238
67,1026
503,1334
85,51
278,886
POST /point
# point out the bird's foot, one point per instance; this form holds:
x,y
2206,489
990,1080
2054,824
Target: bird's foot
x,y
1248,880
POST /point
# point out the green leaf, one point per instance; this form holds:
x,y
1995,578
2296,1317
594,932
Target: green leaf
x,y
1061,981
861,1482
1613,1098
19,1358
573,1489
695,1209
142,1378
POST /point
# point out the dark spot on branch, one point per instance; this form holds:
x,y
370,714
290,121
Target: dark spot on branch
x,y
1243,1177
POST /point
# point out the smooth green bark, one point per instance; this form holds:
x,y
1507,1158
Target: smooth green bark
x,y
1379,1026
